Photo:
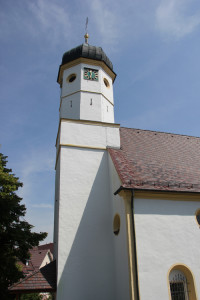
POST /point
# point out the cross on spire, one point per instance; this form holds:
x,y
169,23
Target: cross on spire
x,y
86,36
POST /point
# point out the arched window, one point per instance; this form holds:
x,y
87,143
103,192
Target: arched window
x,y
178,285
180,278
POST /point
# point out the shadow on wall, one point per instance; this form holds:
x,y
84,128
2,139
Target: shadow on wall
x,y
166,207
89,269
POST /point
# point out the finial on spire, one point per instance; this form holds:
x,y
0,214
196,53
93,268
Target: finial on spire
x,y
86,36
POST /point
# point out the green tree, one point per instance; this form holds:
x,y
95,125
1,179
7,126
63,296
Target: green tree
x,y
31,297
16,237
34,296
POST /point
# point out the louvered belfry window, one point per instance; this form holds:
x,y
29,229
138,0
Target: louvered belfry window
x,y
178,285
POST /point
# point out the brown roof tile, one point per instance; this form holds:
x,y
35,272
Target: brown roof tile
x,y
27,269
48,246
37,256
157,160
42,280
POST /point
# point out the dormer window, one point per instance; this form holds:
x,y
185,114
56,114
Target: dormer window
x,y
27,262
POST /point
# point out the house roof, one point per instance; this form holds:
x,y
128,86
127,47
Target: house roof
x,y
42,280
48,246
37,255
27,269
150,160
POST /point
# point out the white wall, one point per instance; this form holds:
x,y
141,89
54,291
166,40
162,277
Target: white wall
x,y
90,135
71,87
120,241
85,242
86,99
97,86
85,256
166,234
47,259
70,107
56,209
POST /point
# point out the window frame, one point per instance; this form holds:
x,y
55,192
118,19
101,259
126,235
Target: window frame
x,y
190,281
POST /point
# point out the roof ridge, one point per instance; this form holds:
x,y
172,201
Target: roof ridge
x,y
157,131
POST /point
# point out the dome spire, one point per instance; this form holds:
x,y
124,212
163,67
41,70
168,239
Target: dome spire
x,y
86,36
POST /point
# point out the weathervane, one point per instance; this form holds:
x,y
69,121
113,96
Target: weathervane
x,y
86,36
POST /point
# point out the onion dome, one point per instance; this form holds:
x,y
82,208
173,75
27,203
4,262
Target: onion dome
x,y
87,51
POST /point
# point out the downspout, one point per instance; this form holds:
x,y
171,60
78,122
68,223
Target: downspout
x,y
137,294
134,245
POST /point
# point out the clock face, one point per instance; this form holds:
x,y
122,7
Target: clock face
x,y
90,74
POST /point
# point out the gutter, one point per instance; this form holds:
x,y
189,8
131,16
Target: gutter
x,y
134,245
121,188
134,238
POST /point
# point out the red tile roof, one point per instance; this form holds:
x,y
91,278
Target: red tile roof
x,y
26,269
48,246
37,255
42,280
157,161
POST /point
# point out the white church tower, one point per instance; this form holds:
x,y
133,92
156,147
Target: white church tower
x,y
83,234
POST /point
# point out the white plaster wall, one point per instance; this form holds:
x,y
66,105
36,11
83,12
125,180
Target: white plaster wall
x,y
97,86
106,91
90,106
120,241
96,107
47,260
86,85
71,87
107,111
89,135
87,106
70,107
86,99
56,208
166,234
101,109
85,243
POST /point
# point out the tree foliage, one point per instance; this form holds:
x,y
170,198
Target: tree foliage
x,y
16,237
34,296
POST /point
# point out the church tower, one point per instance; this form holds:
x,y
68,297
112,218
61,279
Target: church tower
x,y
83,222
86,79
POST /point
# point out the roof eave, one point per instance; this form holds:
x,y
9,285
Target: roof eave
x,y
131,188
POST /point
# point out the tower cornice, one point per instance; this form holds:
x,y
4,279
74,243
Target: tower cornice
x,y
88,61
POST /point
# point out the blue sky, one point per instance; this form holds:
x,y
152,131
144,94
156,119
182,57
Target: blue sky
x,y
154,46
